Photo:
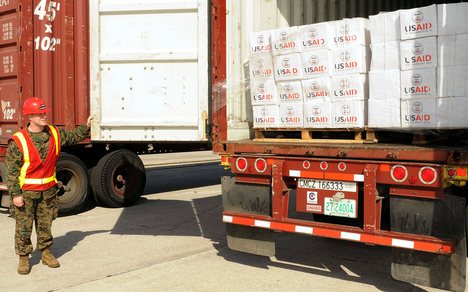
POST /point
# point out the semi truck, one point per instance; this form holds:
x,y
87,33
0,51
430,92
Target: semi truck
x,y
165,75
403,189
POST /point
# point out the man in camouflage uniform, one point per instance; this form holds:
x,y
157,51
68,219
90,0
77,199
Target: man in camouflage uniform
x,y
34,199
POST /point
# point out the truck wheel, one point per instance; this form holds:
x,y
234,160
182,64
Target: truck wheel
x,y
73,175
119,179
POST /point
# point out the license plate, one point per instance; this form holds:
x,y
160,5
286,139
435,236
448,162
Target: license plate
x,y
329,185
340,208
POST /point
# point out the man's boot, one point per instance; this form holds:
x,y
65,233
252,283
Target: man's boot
x,y
49,259
23,265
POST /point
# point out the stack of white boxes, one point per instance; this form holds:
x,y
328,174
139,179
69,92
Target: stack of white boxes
x,y
433,59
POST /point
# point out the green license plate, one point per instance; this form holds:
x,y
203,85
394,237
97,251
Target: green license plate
x,y
340,208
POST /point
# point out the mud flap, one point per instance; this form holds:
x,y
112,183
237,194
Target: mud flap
x,y
250,199
442,218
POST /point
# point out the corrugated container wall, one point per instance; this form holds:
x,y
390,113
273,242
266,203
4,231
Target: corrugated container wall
x,y
246,16
43,50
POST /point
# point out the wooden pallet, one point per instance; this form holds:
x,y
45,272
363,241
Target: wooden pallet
x,y
344,136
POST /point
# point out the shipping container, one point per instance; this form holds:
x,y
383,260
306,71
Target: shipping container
x,y
399,187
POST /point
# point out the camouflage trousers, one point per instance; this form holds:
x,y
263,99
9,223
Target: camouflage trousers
x,y
41,212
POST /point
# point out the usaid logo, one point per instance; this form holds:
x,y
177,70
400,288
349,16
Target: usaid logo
x,y
288,87
344,83
315,86
260,38
264,111
418,16
260,63
345,110
314,60
345,56
261,88
418,49
284,36
344,29
316,111
290,111
416,79
312,32
417,107
285,62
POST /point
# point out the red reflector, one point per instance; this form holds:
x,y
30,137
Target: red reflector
x,y
427,175
461,172
399,173
241,164
306,164
323,165
260,165
413,180
342,166
452,172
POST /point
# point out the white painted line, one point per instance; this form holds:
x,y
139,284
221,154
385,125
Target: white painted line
x,y
351,236
303,229
295,173
227,219
403,243
264,224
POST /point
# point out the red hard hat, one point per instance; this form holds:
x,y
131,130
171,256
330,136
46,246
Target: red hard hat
x,y
34,106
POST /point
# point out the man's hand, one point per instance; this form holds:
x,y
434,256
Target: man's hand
x,y
18,201
88,122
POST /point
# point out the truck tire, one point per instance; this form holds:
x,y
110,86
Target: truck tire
x,y
73,174
119,178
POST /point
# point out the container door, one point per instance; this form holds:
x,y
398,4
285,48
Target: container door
x,y
149,70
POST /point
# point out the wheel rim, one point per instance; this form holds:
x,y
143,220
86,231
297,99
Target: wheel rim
x,y
120,179
68,178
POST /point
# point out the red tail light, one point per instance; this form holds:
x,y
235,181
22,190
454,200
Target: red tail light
x,y
452,172
427,175
306,164
260,165
241,164
399,173
341,166
323,165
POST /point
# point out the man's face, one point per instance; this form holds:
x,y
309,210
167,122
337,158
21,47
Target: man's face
x,y
39,120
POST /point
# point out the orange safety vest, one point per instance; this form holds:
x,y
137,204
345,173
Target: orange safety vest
x,y
35,174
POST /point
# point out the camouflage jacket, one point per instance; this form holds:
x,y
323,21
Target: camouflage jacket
x,y
14,156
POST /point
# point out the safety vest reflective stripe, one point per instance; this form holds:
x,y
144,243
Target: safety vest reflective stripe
x,y
39,181
53,130
26,160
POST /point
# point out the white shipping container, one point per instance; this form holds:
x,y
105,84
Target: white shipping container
x,y
260,42
317,114
419,83
350,59
287,67
418,22
263,91
289,91
349,114
315,63
348,87
317,89
145,87
266,116
418,53
315,36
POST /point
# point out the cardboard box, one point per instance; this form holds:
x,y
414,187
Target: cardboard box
x,y
418,22
452,50
451,81
260,42
451,18
444,113
385,56
266,116
292,115
315,36
385,113
348,87
289,91
285,41
350,59
385,27
384,85
263,91
349,114
457,112
315,63
419,113
317,89
419,83
418,53
350,31
261,66
287,67
378,57
317,114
